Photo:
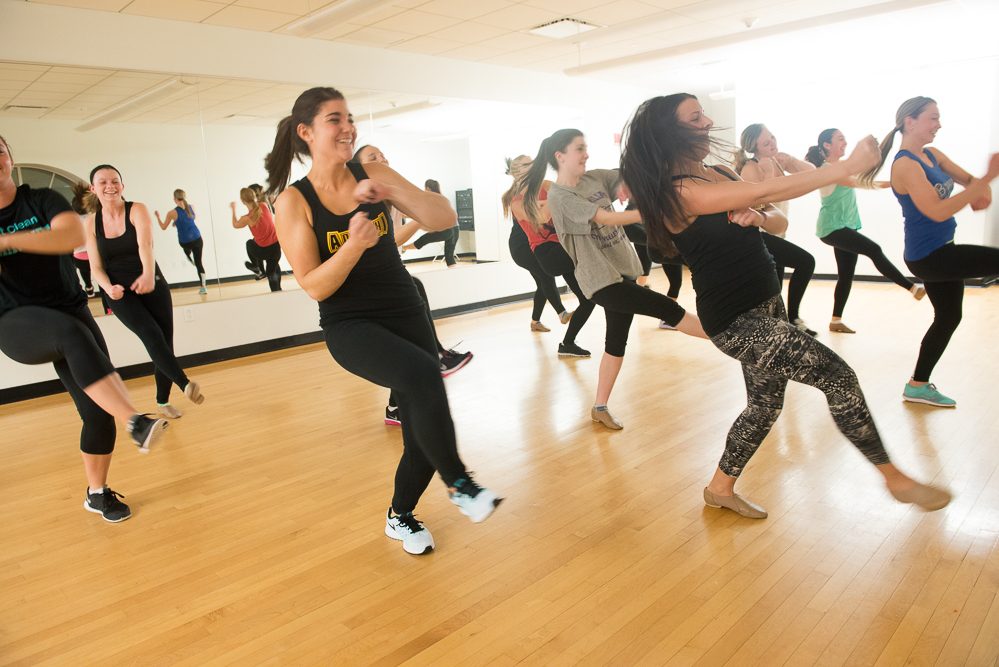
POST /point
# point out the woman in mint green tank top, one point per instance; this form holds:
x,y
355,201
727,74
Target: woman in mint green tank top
x,y
838,225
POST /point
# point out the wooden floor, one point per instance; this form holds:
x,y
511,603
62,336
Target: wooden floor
x,y
257,529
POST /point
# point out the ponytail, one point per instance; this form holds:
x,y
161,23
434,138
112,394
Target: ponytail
x,y
817,154
911,108
249,197
557,143
181,196
747,144
515,168
288,146
84,201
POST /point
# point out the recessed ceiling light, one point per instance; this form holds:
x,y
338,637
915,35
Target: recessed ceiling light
x,y
565,27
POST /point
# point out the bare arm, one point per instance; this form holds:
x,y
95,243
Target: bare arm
x,y
384,184
406,232
960,176
64,235
171,217
144,236
293,223
908,178
615,218
791,164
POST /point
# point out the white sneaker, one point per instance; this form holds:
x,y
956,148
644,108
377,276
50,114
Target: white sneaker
x,y
668,327
473,501
415,538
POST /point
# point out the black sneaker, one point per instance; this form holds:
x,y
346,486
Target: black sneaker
x,y
452,361
392,416
571,350
257,273
145,431
107,504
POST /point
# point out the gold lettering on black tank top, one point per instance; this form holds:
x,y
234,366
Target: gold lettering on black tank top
x,y
335,240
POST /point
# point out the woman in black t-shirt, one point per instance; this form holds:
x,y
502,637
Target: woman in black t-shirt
x,y
44,318
120,245
713,219
336,231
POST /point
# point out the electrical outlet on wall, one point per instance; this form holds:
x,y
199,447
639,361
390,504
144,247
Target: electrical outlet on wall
x,y
188,313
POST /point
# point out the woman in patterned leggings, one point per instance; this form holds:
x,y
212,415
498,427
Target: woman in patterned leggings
x,y
713,219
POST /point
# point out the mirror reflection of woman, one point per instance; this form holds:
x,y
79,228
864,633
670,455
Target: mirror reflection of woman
x,y
923,179
263,249
767,163
607,268
188,234
120,245
713,219
839,224
44,318
335,229
449,237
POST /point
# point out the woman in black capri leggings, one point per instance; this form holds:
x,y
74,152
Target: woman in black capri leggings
x,y
922,179
714,218
449,236
120,245
335,229
44,318
606,264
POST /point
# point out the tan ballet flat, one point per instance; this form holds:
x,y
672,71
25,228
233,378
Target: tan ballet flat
x,y
918,292
736,503
168,411
606,418
538,326
930,498
839,327
566,316
193,393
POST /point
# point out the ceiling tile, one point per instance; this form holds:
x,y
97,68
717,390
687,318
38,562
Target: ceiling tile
x,y
618,12
416,22
427,45
84,77
42,96
673,4
714,9
248,18
50,87
24,67
515,59
565,7
21,74
177,10
519,17
375,37
468,32
102,5
380,15
463,9
335,32
515,41
299,8
472,52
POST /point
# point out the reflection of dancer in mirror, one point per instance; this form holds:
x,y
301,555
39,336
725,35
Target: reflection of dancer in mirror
x,y
451,360
767,163
923,179
544,251
188,234
335,228
839,224
44,319
262,197
606,264
80,258
120,244
263,249
449,236
713,219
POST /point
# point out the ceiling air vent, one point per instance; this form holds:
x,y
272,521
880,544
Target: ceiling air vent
x,y
566,27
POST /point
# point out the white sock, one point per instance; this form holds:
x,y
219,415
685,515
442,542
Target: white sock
x,y
100,490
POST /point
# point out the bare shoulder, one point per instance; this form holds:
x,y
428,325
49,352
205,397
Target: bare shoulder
x,y
731,172
751,171
291,205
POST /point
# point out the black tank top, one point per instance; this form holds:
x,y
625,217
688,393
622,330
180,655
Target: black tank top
x,y
379,284
730,267
120,255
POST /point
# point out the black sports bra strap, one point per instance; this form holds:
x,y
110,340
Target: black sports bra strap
x,y
682,176
723,172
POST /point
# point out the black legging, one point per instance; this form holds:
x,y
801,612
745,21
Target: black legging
x,y
786,254
150,317
194,249
640,239
448,236
622,301
74,345
267,259
847,245
555,261
673,268
520,252
943,273
398,352
83,266
430,316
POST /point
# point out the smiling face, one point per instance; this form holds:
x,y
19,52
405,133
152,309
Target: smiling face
x,y
690,114
332,132
572,162
766,144
923,128
836,148
6,164
107,186
372,154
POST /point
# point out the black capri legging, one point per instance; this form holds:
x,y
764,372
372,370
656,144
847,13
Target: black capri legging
x,y
194,250
847,245
74,345
639,238
786,254
943,273
267,259
399,352
556,262
622,301
150,317
673,268
520,252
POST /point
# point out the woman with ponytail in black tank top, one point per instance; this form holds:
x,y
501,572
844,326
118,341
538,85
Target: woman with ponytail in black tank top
x,y
713,219
335,229
120,245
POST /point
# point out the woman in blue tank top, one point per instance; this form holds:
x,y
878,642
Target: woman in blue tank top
x,y
713,219
335,229
188,234
922,179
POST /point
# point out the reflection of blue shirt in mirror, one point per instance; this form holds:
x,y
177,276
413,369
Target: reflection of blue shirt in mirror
x,y
923,235
187,231
378,284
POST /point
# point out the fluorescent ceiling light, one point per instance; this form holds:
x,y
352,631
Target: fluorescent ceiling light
x,y
563,28
153,97
341,12
419,106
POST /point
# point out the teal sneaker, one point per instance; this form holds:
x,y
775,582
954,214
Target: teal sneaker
x,y
927,394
